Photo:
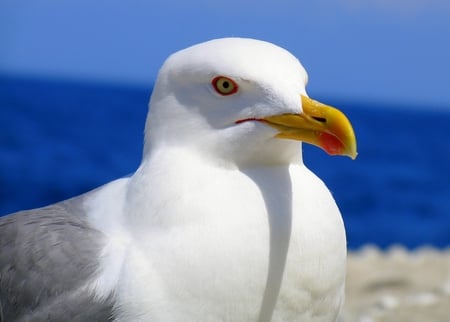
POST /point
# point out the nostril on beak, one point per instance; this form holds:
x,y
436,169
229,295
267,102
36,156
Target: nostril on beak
x,y
320,119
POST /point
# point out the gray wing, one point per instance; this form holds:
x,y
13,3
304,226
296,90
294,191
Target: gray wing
x,y
46,257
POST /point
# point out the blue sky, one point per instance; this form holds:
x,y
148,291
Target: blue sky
x,y
387,51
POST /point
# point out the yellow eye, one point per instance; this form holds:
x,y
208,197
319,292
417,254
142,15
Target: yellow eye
x,y
224,85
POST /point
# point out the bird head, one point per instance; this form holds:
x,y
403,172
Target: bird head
x,y
241,100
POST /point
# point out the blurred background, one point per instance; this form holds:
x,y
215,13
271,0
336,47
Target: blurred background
x,y
76,76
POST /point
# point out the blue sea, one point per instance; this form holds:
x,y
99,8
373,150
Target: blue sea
x,y
59,139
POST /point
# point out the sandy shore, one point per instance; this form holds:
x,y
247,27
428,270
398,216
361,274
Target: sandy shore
x,y
398,286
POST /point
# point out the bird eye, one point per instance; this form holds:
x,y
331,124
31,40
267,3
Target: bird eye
x,y
224,85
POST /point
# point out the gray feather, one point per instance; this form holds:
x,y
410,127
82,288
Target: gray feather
x,y
46,257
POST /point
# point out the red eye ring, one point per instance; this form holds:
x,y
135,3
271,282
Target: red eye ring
x,y
224,85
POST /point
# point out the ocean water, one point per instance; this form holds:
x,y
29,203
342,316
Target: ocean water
x,y
60,139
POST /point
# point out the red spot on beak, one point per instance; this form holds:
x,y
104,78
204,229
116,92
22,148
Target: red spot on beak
x,y
331,144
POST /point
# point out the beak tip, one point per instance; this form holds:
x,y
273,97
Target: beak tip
x,y
353,156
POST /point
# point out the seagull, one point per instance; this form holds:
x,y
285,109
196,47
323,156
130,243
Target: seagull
x,y
222,221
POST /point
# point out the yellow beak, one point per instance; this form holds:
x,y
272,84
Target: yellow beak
x,y
320,125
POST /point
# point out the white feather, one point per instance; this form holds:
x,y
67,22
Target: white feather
x,y
222,222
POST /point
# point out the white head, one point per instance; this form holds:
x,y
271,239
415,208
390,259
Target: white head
x,y
220,97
